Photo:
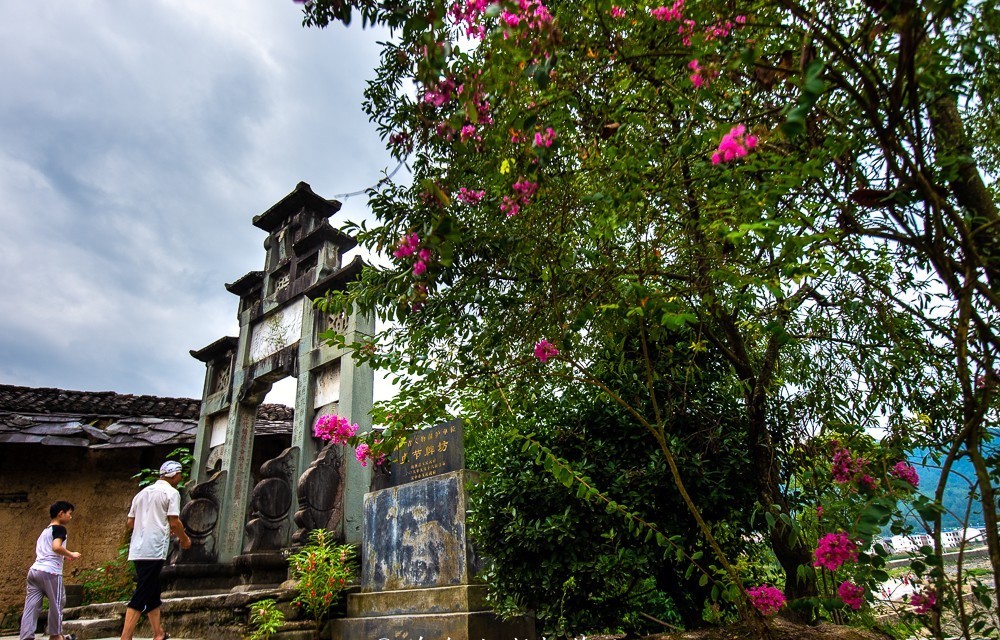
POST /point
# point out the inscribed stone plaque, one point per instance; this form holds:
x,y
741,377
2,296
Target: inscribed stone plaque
x,y
327,390
281,329
429,452
217,424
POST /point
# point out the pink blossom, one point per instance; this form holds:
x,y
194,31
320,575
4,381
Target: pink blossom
x,y
334,429
545,139
362,453
419,268
844,467
545,350
868,482
469,196
425,255
533,15
701,76
510,19
686,31
734,144
439,94
468,132
510,206
851,594
407,246
766,599
923,602
526,188
905,472
469,14
399,139
833,550
617,12
666,14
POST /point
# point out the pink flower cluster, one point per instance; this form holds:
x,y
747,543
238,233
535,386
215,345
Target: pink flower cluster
x,y
766,599
735,144
617,12
440,94
469,196
833,550
533,14
334,429
523,189
700,76
364,453
545,350
666,14
546,138
722,29
409,247
468,132
852,595
844,467
469,14
905,472
479,101
401,140
923,602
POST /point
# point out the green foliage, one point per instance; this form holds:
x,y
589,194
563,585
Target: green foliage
x,y
113,581
321,569
265,619
183,455
844,268
576,553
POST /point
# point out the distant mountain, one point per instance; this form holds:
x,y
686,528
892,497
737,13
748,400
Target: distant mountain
x,y
961,480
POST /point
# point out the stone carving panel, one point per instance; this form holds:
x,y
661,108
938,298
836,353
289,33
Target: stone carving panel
x,y
321,495
267,528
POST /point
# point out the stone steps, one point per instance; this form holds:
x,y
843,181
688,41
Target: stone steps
x,y
220,616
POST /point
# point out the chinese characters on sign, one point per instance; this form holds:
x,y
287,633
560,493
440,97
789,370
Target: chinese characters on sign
x,y
429,452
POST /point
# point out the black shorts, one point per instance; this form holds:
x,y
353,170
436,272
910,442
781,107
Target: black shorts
x,y
147,585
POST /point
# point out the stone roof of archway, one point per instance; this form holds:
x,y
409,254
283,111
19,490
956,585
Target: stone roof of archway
x,y
105,419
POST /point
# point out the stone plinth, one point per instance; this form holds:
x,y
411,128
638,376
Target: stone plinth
x,y
418,569
414,535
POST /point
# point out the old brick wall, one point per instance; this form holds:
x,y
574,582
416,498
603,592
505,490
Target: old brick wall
x,y
97,482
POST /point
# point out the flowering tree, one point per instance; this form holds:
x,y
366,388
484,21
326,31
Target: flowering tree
x,y
795,185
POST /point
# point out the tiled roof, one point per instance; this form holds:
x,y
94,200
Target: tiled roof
x,y
106,419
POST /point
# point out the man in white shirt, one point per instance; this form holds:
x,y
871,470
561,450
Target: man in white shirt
x,y
154,516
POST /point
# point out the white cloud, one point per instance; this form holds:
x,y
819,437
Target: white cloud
x,y
137,142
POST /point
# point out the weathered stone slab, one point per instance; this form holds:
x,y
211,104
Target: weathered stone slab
x,y
461,598
479,625
414,535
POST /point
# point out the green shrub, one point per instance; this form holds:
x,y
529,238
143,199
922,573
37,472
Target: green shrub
x,y
574,563
113,581
322,570
265,619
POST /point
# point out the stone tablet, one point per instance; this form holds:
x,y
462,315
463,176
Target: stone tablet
x,y
429,452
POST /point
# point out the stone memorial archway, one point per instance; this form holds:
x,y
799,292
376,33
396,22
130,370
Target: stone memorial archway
x,y
279,337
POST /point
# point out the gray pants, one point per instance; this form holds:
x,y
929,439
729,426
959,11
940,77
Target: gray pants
x,y
49,585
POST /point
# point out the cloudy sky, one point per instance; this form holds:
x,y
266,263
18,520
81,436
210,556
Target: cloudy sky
x,y
137,142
